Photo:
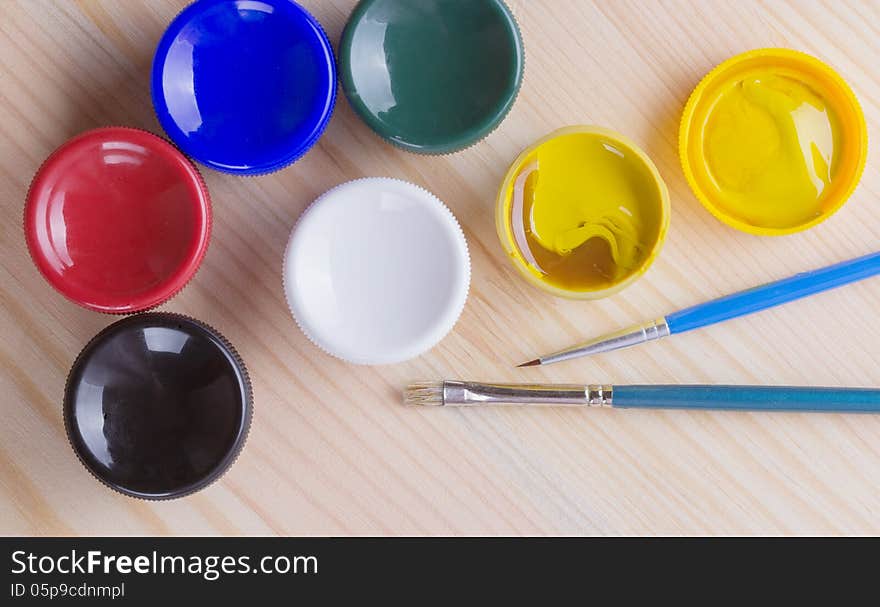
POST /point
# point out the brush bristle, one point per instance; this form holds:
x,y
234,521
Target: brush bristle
x,y
426,393
531,363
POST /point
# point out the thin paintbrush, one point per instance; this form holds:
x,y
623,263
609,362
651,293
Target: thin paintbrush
x,y
724,308
741,398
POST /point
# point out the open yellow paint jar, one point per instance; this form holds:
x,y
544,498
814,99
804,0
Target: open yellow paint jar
x,y
582,213
773,141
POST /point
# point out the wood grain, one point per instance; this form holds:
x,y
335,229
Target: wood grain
x,y
332,451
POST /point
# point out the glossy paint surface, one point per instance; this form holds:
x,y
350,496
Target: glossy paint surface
x,y
772,147
117,220
157,405
773,141
432,76
376,271
244,86
583,212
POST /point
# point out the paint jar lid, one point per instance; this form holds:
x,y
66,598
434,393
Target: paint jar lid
x,y
244,87
376,271
431,76
773,141
157,405
582,213
117,220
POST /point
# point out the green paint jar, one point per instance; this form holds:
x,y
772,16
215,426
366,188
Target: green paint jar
x,y
433,76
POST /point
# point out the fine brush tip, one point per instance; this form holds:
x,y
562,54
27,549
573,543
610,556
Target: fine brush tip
x,y
531,363
424,394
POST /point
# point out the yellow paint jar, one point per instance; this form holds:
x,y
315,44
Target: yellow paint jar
x,y
582,213
773,141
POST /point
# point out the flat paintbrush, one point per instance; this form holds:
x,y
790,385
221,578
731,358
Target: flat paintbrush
x,y
742,398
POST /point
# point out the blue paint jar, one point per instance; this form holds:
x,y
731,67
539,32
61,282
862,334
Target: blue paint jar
x,y
244,86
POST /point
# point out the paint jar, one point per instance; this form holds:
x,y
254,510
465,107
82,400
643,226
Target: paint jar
x,y
117,220
773,141
244,87
157,405
376,271
432,76
582,213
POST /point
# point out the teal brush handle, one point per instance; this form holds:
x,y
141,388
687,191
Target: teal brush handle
x,y
748,398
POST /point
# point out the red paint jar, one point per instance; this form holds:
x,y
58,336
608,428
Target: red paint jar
x,y
117,220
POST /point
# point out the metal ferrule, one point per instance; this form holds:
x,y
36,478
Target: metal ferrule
x,y
631,336
463,394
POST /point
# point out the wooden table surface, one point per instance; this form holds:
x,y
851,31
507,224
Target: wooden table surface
x,y
331,450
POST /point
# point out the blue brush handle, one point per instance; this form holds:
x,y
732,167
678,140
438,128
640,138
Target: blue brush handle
x,y
774,293
748,398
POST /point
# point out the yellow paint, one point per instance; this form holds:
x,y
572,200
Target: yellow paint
x,y
773,141
582,212
771,147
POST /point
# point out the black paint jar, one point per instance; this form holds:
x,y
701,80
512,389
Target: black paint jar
x,y
157,405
